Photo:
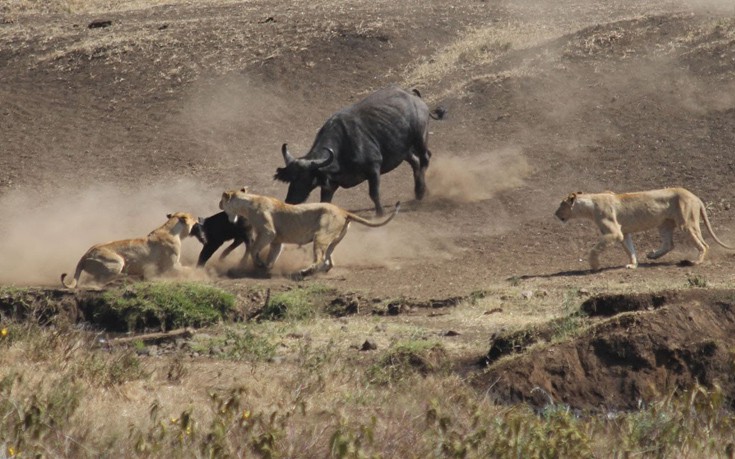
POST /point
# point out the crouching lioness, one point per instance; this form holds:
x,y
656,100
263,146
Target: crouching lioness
x,y
620,215
156,253
274,223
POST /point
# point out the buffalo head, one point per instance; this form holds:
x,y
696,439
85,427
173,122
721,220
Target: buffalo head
x,y
198,231
302,174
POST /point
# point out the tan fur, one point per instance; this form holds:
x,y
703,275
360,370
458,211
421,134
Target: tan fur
x,y
156,253
275,223
620,215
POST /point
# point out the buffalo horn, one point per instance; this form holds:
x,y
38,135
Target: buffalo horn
x,y
286,155
317,165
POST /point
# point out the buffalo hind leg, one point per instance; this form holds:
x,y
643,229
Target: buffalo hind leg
x,y
419,179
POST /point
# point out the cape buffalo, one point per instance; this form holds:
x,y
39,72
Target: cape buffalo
x,y
360,143
215,230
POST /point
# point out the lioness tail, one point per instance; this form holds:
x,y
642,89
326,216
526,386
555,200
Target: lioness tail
x,y
703,212
363,221
77,274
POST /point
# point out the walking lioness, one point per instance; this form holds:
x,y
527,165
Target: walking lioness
x,y
620,215
156,253
275,223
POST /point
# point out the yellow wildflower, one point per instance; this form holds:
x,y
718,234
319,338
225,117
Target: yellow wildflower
x,y
4,332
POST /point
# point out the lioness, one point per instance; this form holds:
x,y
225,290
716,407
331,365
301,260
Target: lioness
x,y
620,215
275,223
156,253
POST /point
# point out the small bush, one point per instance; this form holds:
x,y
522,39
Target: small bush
x,y
696,281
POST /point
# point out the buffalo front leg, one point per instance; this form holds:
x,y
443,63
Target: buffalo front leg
x,y
327,193
207,252
374,190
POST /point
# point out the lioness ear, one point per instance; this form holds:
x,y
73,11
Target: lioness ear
x,y
244,189
169,215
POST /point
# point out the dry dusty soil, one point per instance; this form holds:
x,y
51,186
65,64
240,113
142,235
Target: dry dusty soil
x,y
106,127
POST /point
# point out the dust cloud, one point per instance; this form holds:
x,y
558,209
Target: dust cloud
x,y
460,179
241,122
388,246
44,237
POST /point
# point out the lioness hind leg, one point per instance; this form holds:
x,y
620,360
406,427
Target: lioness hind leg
x,y
104,270
329,261
666,230
695,234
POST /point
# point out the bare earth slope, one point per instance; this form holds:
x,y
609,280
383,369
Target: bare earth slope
x,y
104,130
173,103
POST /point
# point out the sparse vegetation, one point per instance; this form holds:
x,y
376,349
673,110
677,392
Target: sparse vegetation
x,y
696,281
542,98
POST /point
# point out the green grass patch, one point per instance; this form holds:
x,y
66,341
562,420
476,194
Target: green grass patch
x,y
293,305
163,305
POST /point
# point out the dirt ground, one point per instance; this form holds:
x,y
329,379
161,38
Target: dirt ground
x,y
104,130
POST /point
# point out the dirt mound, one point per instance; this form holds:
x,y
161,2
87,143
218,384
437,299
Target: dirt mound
x,y
674,340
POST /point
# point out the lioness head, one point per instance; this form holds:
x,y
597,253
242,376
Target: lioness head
x,y
186,220
226,198
564,212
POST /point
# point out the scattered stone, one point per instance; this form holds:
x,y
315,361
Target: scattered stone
x,y
493,311
527,294
99,24
452,333
368,345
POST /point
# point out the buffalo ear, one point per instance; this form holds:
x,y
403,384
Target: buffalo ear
x,y
200,220
282,175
